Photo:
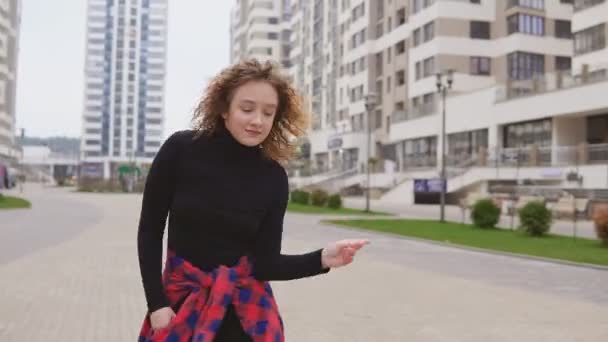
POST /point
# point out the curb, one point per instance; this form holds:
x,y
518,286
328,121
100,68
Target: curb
x,y
475,249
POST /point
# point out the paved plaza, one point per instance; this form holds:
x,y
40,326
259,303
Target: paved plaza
x,y
68,272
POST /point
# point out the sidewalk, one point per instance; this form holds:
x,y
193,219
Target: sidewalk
x,y
454,213
88,288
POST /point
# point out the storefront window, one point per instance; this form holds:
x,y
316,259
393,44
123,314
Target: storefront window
x,y
528,133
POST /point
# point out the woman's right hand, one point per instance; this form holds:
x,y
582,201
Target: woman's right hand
x,y
161,318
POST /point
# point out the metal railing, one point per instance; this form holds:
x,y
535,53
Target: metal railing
x,y
416,112
550,82
532,156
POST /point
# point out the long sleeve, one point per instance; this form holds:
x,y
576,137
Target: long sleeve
x,y
269,264
158,193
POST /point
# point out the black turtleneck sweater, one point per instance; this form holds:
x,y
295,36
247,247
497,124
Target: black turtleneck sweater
x,y
224,200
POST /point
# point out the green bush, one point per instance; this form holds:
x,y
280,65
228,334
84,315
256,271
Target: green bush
x,y
319,198
300,197
334,201
485,214
535,218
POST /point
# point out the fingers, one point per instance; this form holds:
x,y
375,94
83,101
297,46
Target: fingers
x,y
353,243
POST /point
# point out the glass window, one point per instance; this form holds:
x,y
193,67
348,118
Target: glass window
x,y
563,29
480,65
523,65
591,39
480,30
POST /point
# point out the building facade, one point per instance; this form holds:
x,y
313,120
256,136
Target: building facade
x,y
260,29
527,76
123,114
10,17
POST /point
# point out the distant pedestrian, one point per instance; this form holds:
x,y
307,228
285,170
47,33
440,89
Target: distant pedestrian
x,y
226,194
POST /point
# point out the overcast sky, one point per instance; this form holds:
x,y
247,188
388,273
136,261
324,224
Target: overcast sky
x,y
50,79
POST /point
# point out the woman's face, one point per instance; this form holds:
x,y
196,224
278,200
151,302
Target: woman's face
x,y
252,112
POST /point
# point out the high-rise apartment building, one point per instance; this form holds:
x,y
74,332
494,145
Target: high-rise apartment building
x,y
526,77
123,115
590,30
260,29
10,17
343,50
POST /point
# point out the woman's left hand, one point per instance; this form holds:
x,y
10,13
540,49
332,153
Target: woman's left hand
x,y
341,253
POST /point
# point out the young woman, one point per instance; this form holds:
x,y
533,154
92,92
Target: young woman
x,y
226,193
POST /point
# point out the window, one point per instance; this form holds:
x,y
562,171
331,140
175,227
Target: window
x,y
480,30
535,4
528,133
524,66
563,29
418,70
422,4
467,144
417,37
378,119
475,1
388,85
379,9
400,16
429,31
563,63
379,29
357,39
591,39
400,77
480,65
527,24
400,47
428,66
273,35
379,64
580,5
358,12
388,55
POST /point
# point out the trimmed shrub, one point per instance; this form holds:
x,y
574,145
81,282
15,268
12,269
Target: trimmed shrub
x,y
485,214
535,218
600,218
300,197
335,201
319,198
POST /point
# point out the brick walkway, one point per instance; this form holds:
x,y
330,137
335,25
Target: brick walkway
x,y
87,287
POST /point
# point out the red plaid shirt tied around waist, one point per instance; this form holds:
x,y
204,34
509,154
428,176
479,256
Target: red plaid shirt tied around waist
x,y
206,297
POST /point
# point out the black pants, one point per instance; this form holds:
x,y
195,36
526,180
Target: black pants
x,y
231,329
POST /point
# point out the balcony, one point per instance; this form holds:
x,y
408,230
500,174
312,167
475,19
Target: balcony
x,y
425,109
550,82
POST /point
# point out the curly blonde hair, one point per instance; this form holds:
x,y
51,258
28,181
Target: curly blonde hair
x,y
290,120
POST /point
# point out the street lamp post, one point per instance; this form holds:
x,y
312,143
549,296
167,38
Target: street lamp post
x,y
370,104
442,89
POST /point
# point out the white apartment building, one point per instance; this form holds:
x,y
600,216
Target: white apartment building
x,y
10,17
526,97
123,114
260,29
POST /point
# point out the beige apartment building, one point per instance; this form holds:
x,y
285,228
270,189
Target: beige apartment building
x,y
527,75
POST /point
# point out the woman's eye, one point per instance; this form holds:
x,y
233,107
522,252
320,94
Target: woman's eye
x,y
247,110
269,114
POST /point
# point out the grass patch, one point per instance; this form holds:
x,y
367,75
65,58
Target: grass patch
x,y
550,246
311,209
8,202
